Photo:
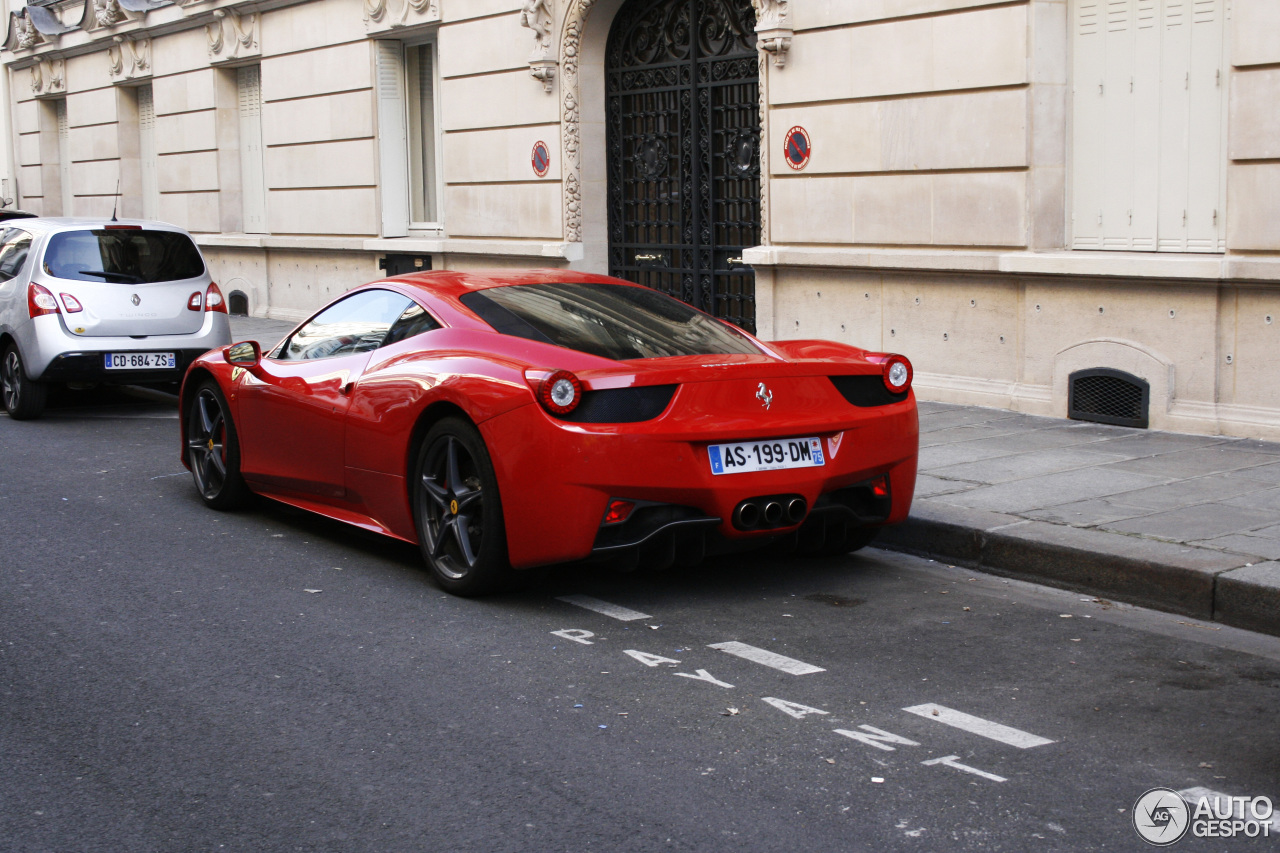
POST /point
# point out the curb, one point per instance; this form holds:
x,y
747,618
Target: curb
x,y
1183,579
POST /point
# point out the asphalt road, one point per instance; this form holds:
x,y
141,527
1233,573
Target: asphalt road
x,y
175,679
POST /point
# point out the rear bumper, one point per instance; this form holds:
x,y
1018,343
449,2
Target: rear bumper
x,y
556,479
53,354
90,367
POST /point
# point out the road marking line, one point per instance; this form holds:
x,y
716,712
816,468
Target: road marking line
x,y
793,709
588,603
576,634
878,738
777,661
978,726
1192,797
703,675
953,761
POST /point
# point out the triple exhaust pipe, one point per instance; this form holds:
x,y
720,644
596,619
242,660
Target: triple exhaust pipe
x,y
770,511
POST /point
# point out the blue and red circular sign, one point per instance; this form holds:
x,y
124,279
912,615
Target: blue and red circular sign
x,y
541,159
797,148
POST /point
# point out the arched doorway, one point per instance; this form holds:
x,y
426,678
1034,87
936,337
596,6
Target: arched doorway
x,y
683,137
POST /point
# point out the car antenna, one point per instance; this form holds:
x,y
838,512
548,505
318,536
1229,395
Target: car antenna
x,y
115,202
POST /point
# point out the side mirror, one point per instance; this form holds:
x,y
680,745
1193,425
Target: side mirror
x,y
243,354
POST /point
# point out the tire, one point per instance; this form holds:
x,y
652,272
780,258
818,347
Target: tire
x,y
213,450
458,511
24,398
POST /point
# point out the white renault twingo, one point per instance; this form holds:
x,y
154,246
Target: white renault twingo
x,y
101,301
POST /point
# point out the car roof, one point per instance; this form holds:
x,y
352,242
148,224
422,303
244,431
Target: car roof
x,y
455,283
441,291
52,224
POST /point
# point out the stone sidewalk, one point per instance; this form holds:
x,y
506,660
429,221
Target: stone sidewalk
x,y
1185,523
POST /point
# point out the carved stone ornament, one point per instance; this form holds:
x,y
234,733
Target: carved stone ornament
x,y
106,13
27,35
538,16
48,77
773,28
379,14
129,58
232,36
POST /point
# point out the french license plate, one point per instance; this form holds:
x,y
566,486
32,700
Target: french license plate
x,y
744,457
138,360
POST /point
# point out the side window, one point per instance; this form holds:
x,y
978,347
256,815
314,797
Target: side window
x,y
359,323
414,321
14,246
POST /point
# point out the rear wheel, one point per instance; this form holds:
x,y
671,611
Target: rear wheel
x,y
458,512
24,398
213,450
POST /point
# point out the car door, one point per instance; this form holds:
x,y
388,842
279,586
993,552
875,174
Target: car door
x,y
293,408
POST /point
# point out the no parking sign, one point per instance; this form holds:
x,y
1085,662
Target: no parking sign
x,y
541,159
797,148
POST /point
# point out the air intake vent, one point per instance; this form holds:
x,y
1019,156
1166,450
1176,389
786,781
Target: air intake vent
x,y
1108,396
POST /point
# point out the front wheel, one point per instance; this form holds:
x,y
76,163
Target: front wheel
x,y
213,450
24,398
458,512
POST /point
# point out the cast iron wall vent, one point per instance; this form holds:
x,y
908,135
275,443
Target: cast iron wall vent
x,y
1108,396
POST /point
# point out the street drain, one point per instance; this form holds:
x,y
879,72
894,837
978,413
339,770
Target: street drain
x,y
834,600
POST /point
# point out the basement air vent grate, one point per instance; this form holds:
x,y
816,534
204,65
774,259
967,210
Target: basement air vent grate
x,y
1108,396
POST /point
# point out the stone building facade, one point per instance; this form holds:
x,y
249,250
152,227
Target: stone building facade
x,y
1014,194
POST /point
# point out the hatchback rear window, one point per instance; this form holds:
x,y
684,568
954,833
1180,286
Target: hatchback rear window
x,y
609,320
129,256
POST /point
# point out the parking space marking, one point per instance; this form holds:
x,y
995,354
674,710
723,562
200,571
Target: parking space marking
x,y
978,726
768,658
613,610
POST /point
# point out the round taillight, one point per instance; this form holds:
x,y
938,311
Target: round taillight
x,y
560,392
897,374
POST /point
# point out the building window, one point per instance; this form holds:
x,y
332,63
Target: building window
x,y
407,137
1149,125
148,153
253,181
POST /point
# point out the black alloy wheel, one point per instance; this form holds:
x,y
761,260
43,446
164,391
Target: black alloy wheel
x,y
24,398
458,512
213,451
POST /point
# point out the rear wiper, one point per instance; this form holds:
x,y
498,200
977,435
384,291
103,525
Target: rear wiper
x,y
127,278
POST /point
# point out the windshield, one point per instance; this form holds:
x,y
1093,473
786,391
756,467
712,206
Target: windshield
x,y
124,254
609,320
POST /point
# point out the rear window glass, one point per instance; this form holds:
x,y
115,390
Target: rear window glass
x,y
609,320
123,255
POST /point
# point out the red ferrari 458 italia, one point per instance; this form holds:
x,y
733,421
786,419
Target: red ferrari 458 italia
x,y
508,420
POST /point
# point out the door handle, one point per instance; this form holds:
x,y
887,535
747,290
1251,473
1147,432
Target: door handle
x,y
648,257
737,260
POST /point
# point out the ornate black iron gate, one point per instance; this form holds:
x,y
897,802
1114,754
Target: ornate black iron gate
x,y
684,151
